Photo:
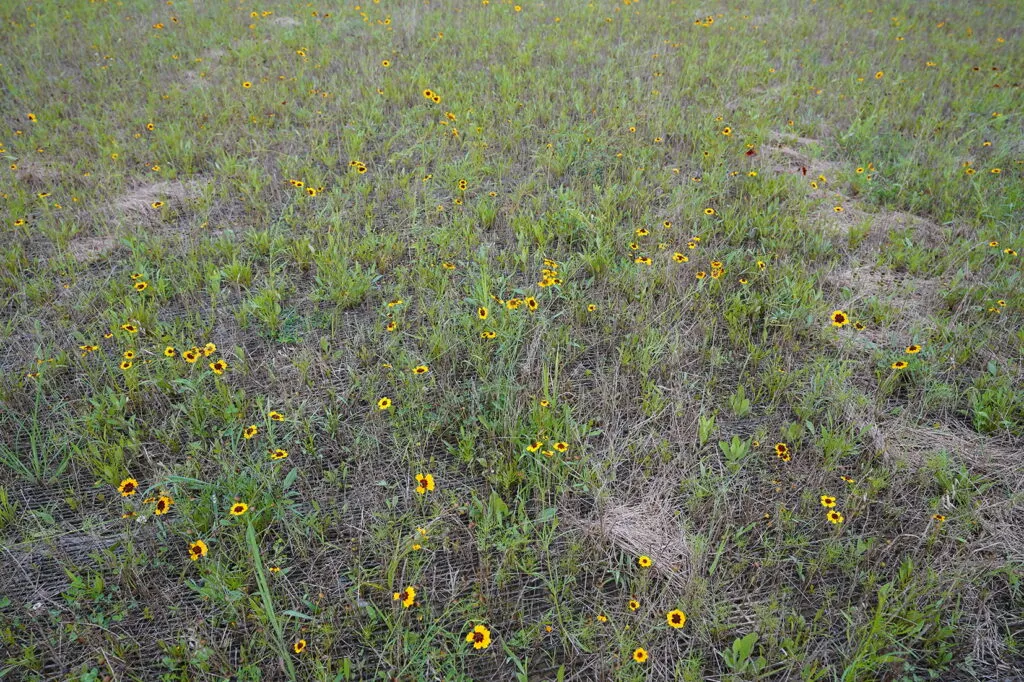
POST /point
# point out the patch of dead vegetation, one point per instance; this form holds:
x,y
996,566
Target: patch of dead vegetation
x,y
997,537
791,154
137,206
284,22
842,222
984,454
208,59
647,526
913,299
88,248
139,201
923,231
37,176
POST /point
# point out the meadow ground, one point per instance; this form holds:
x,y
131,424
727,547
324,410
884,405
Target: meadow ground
x,y
464,340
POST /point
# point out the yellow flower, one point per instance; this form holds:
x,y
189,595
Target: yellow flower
x,y
218,367
839,318
835,516
278,454
170,352
299,646
239,508
481,312
197,549
384,403
250,432
899,364
163,505
421,369
424,483
275,416
479,637
209,349
827,501
128,487
561,446
633,605
535,446
676,618
640,655
644,561
913,349
406,596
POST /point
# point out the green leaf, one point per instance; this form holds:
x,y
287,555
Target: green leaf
x,y
547,515
296,614
289,479
743,646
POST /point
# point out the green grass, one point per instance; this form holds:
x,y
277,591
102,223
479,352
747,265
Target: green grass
x,y
315,228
